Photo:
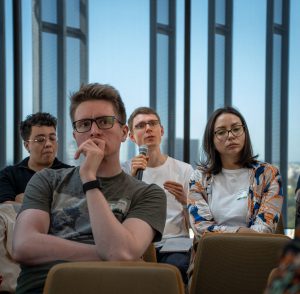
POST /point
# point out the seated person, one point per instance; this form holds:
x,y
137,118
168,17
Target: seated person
x,y
91,212
231,191
297,192
286,277
170,174
38,132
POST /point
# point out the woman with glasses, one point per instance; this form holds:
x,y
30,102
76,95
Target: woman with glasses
x,y
231,191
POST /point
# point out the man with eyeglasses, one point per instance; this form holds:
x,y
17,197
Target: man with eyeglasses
x,y
91,212
38,132
170,174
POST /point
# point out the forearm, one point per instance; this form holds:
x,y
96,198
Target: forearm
x,y
37,248
114,241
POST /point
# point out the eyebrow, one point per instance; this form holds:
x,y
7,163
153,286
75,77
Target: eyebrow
x,y
232,125
39,135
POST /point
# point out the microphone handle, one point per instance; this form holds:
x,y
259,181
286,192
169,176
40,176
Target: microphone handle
x,y
139,174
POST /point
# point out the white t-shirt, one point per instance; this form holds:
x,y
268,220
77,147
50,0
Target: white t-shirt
x,y
171,170
229,197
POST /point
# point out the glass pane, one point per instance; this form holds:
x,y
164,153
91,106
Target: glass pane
x,y
27,104
199,45
49,10
162,80
73,84
249,67
73,13
119,52
9,82
163,11
49,73
276,88
278,11
179,99
219,71
293,110
221,12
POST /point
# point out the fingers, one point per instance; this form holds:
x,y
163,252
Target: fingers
x,y
90,145
138,162
176,189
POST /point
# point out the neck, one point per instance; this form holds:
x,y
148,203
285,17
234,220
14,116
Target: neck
x,y
109,168
156,158
37,167
230,164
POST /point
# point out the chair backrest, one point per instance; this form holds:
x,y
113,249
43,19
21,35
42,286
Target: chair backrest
x,y
280,226
107,277
150,254
235,263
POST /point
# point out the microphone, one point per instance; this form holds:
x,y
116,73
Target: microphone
x,y
143,149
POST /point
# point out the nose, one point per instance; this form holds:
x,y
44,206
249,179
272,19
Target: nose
x,y
94,129
48,142
230,134
148,127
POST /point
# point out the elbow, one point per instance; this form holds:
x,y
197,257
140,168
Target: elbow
x,y
118,255
20,254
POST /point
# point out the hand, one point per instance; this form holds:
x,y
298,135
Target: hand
x,y
138,162
93,150
177,190
19,198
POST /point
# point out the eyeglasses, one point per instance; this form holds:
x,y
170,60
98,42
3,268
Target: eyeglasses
x,y
236,131
42,139
102,122
142,124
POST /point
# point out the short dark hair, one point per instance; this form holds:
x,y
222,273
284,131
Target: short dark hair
x,y
37,119
211,161
97,91
141,110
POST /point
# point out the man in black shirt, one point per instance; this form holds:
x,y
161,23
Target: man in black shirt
x,y
39,134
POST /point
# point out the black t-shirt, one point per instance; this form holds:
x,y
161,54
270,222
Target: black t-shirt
x,y
14,178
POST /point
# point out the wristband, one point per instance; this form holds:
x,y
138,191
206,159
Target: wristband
x,y
91,185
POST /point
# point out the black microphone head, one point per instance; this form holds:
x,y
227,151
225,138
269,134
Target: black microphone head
x,y
143,149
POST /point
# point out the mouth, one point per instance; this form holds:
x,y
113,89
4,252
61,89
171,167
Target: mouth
x,y
47,153
232,145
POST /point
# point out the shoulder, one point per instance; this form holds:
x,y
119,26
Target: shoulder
x,y
57,164
181,164
261,167
49,174
12,168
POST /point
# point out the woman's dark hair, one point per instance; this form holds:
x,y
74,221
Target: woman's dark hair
x,y
210,161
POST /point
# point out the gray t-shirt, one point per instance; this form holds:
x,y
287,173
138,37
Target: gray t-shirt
x,y
59,192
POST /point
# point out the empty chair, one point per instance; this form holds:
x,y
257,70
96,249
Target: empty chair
x,y
235,263
107,277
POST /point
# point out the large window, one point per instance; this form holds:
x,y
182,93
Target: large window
x,y
242,53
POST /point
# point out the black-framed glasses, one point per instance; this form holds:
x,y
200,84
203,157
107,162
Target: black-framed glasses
x,y
236,131
150,123
42,139
102,122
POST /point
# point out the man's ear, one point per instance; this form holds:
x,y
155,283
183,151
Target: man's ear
x,y
26,145
125,133
131,136
162,130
